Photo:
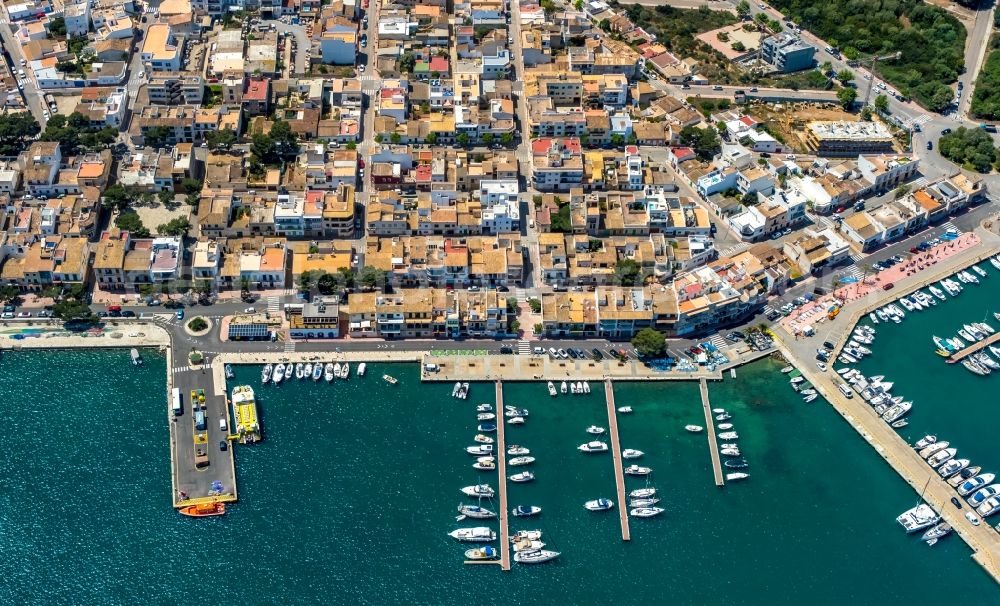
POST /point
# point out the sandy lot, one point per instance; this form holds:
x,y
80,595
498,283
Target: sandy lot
x,y
157,214
789,120
66,103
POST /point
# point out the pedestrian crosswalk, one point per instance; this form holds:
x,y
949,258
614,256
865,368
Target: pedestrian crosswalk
x,y
856,257
855,272
289,346
521,294
177,369
734,250
921,119
273,305
523,348
948,225
717,341
768,309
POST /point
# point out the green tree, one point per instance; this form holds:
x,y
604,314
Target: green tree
x,y
487,138
175,227
649,343
328,284
704,141
462,139
117,197
866,113
16,132
378,138
846,96
221,139
371,277
845,76
72,310
306,281
9,293
263,148
192,186
627,273
605,25
617,140
157,136
129,221
882,104
507,138
57,27
743,9
970,148
286,142
395,138
826,68
406,62
431,138
351,146
166,197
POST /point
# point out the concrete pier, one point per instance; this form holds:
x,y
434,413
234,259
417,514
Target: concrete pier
x,y
616,454
713,444
958,356
502,486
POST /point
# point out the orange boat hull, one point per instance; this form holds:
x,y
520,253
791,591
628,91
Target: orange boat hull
x,y
205,510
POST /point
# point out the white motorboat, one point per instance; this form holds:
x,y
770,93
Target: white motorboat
x,y
362,368
936,446
719,411
631,453
279,373
982,494
338,370
810,398
729,435
979,270
925,441
730,452
795,380
475,511
525,535
995,262
636,470
725,426
990,507
482,553
624,409
599,505
645,512
586,387
481,534
480,450
960,477
563,387
265,373
345,370
526,545
483,438
952,467
307,370
328,375
936,292
937,532
483,491
918,518
572,388
938,458
485,465
974,484
300,370
643,502
736,475
524,476
595,430
594,446
694,428
485,416
520,461
535,556
516,450
552,388
642,493
787,369
525,511
317,371
484,407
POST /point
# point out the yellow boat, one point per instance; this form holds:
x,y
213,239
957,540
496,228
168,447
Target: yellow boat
x,y
943,353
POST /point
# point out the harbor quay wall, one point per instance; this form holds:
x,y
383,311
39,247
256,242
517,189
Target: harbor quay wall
x,y
983,540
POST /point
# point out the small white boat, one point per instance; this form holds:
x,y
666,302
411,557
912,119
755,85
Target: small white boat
x,y
642,493
795,380
328,375
729,435
524,476
719,411
725,426
594,446
643,502
563,387
525,535
485,416
515,421
552,388
338,370
265,373
624,409
362,368
454,390
470,535
645,512
631,453
483,438
595,430
636,470
516,450
485,465
480,450
694,428
300,370
317,371
279,373
925,441
737,475
787,369
599,505
810,397
475,511
521,461
485,407
482,553
586,387
345,370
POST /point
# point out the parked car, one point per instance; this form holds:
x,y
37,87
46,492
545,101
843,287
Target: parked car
x,y
179,314
597,354
506,349
24,314
128,314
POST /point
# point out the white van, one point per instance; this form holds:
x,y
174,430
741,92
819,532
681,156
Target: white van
x,y
846,390
222,424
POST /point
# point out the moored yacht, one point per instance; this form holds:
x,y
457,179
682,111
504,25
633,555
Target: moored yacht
x,y
516,450
636,470
469,535
536,556
279,373
642,493
965,474
317,371
936,446
938,458
694,428
952,467
982,494
479,490
475,511
970,486
265,373
645,512
599,504
594,446
525,511
631,453
328,375
524,476
520,461
937,532
595,430
918,518
552,388
480,450
482,553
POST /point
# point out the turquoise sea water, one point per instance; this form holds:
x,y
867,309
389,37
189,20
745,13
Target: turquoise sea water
x,y
349,498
